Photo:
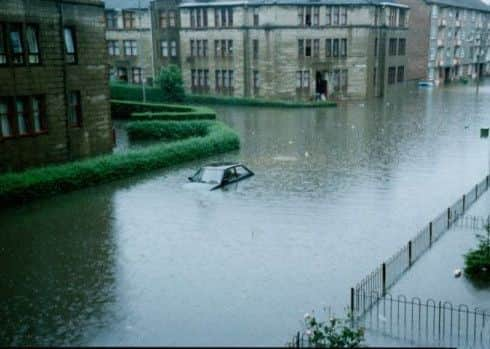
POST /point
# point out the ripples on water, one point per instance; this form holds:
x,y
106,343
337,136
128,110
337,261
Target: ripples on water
x,y
146,261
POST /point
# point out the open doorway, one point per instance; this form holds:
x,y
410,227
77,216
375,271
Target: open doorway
x,y
321,87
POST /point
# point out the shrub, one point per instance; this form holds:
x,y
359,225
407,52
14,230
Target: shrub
x,y
170,130
171,83
213,137
334,333
477,262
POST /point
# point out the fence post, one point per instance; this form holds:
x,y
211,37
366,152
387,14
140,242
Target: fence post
x,y
410,254
352,301
464,202
430,234
449,217
383,267
487,181
476,189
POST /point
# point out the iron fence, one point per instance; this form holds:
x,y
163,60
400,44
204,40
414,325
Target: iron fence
x,y
428,322
473,222
388,273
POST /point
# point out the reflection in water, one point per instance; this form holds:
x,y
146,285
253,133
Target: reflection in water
x,y
148,261
57,261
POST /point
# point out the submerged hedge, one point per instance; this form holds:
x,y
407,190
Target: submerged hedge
x,y
212,138
137,110
121,91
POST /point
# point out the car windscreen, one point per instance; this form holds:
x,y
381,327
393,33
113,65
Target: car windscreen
x,y
209,175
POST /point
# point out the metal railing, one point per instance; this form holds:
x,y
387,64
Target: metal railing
x,y
429,322
388,273
473,222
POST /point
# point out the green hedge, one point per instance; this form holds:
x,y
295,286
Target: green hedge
x,y
121,91
170,130
24,186
137,110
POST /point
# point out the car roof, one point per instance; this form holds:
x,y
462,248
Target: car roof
x,y
222,165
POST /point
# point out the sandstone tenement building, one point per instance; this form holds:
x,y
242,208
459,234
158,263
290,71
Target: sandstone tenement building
x,y
54,93
449,39
293,48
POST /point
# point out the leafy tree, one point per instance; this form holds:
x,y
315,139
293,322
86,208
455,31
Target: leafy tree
x,y
171,83
477,262
334,333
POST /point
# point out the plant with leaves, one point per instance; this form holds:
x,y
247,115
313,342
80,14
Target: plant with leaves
x,y
334,333
477,262
171,83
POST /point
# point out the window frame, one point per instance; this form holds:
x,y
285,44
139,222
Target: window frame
x,y
14,55
36,31
70,57
77,109
3,45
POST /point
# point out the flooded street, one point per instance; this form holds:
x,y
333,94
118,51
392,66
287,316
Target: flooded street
x,y
148,261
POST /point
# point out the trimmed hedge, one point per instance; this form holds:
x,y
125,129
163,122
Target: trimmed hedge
x,y
158,111
170,130
121,91
31,184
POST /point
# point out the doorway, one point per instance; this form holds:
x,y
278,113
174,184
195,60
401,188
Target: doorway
x,y
321,87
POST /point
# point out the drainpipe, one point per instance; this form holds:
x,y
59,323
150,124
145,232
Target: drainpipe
x,y
64,74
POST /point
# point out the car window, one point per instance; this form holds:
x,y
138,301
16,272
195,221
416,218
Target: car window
x,y
241,171
211,175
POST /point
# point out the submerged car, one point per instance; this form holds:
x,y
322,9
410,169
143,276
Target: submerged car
x,y
221,174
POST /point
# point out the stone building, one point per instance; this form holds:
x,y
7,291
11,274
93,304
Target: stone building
x,y
449,39
53,93
293,49
129,44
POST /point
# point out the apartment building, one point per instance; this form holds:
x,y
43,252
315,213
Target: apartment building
x,y
54,96
293,48
129,44
449,39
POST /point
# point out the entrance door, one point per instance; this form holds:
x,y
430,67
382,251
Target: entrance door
x,y
321,84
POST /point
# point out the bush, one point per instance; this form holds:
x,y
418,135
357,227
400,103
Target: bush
x,y
477,262
212,138
334,333
171,83
158,111
171,130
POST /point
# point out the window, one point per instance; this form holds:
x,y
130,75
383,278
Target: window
x,y
198,18
164,48
343,48
343,16
375,47
193,78
38,118
130,48
137,75
122,73
391,75
316,16
129,19
401,47
193,17
205,19
301,48
392,17
401,20
111,20
206,78
308,48
256,79
401,74
343,80
74,109
335,47
316,48
193,48
32,33
328,48
230,48
374,77
22,116
223,17
335,15
255,49
328,17
218,79
308,20
256,17
163,19
301,16
16,44
392,49
303,79
113,48
3,52
70,45
5,126
230,17
173,48
198,48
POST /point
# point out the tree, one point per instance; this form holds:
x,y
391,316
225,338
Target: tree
x,y
171,83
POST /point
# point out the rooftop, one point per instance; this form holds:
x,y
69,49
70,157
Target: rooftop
x,y
468,4
192,3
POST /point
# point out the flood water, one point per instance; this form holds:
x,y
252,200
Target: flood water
x,y
148,261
